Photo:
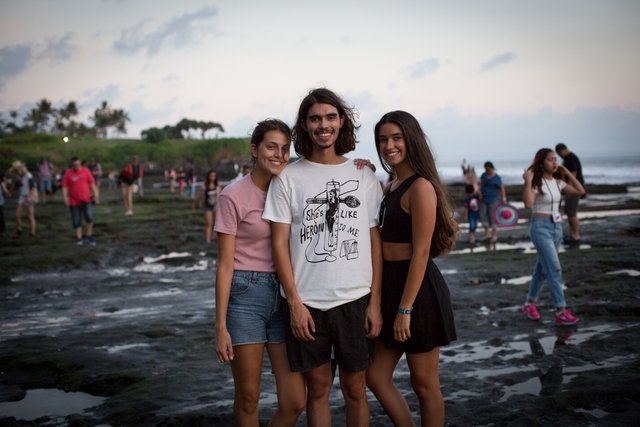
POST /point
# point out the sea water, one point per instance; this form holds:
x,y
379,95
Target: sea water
x,y
596,170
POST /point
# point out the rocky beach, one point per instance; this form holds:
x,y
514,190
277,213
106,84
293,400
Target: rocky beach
x,y
122,334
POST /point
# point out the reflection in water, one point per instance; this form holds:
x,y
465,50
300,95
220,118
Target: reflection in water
x,y
536,359
550,365
49,402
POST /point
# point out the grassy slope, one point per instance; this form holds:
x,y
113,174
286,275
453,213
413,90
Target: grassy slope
x,y
111,153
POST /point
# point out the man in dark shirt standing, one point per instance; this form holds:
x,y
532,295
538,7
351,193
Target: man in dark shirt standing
x,y
571,162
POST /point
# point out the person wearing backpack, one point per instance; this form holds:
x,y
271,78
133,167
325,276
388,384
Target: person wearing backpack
x,y
126,180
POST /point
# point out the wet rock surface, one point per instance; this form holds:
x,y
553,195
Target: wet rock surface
x,y
132,320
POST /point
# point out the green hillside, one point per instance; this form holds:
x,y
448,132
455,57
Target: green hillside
x,y
111,153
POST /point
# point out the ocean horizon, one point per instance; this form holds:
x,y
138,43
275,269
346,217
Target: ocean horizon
x,y
596,170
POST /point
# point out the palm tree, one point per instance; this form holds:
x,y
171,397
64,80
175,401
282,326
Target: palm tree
x,y
205,126
101,119
45,110
63,117
12,126
119,119
185,125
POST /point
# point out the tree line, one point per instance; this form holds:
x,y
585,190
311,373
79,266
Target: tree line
x,y
179,130
44,118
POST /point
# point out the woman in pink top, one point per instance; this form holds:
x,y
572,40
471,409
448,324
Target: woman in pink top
x,y
249,313
248,302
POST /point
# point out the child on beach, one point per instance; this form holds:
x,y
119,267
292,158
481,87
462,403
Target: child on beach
x,y
471,210
544,185
416,225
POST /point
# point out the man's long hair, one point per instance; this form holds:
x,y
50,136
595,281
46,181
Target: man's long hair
x,y
346,141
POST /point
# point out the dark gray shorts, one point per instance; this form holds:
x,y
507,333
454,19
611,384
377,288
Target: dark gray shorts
x,y
571,205
341,330
85,211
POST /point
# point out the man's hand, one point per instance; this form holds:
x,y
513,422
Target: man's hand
x,y
373,321
302,324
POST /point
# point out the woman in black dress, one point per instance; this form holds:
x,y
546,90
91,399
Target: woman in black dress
x,y
416,225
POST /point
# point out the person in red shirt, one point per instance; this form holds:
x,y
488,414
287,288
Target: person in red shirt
x,y
80,191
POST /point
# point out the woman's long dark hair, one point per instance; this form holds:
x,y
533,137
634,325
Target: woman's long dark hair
x,y
422,162
537,167
346,141
207,181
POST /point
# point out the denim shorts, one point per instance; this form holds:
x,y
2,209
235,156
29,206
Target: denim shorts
x,y
254,313
45,186
78,212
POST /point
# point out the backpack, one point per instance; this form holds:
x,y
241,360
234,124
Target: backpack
x,y
127,173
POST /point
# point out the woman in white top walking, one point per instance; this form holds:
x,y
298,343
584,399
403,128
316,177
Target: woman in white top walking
x,y
544,185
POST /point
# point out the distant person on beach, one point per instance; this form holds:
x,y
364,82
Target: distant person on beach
x,y
80,192
471,210
544,186
469,175
416,225
573,165
4,193
182,177
112,178
96,170
208,199
249,314
172,177
492,193
24,184
126,181
192,178
138,173
243,172
326,245
45,179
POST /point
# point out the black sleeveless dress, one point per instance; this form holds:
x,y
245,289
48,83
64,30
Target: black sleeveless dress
x,y
432,323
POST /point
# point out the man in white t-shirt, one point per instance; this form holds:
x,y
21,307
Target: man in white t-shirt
x,y
326,247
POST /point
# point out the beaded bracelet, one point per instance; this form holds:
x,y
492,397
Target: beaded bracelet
x,y
405,310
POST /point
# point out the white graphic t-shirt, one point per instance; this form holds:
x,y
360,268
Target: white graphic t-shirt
x,y
330,209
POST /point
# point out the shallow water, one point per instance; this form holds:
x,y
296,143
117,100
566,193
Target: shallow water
x,y
56,305
52,403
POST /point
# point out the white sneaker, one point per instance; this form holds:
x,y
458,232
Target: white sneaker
x,y
128,213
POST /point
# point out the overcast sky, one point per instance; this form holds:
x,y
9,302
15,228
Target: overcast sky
x,y
488,79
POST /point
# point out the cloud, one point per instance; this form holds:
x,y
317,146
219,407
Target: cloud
x,y
497,60
92,98
13,61
144,118
179,31
423,68
58,50
170,78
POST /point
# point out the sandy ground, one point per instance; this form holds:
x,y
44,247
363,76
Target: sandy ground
x,y
122,333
